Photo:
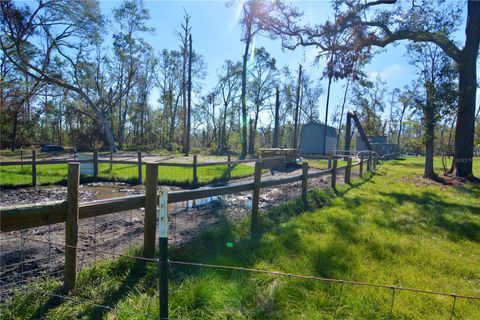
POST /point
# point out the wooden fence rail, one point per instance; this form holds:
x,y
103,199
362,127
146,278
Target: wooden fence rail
x,y
70,211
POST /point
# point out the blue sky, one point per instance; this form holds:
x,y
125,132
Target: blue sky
x,y
216,35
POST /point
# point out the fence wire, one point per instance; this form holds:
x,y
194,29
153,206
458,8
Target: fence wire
x,y
340,282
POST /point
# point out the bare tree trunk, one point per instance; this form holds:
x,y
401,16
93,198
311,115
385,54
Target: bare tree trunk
x,y
326,116
400,127
297,111
253,135
276,129
244,95
341,114
14,128
251,139
189,106
184,90
429,139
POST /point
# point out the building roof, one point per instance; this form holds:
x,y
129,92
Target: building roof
x,y
331,131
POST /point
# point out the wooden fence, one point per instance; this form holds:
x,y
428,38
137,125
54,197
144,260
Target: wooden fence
x,y
96,161
70,211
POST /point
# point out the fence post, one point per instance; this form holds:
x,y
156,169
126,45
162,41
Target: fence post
x,y
360,170
256,197
75,154
34,168
140,167
151,187
374,164
348,170
195,177
95,163
330,156
229,166
163,248
304,180
111,160
334,173
21,156
71,226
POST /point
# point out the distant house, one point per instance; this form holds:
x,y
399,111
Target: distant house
x,y
311,138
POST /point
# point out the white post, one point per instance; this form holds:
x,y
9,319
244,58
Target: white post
x,y
163,248
163,214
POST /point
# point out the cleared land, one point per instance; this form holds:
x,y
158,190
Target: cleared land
x,y
393,228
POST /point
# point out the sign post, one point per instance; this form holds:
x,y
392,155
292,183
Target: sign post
x,y
163,247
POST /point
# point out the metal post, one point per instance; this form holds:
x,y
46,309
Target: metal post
x,y
256,197
304,180
71,226
195,178
334,174
163,248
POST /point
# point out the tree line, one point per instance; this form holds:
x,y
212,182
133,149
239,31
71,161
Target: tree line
x,y
73,75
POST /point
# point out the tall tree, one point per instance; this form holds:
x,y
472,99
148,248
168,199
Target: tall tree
x,y
263,79
362,28
131,17
252,10
229,82
189,104
437,75
276,128
67,30
297,109
184,38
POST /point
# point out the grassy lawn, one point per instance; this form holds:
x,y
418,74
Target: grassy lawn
x,y
393,228
57,174
323,164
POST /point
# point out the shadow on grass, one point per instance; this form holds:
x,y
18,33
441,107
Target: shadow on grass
x,y
137,272
51,303
439,213
211,247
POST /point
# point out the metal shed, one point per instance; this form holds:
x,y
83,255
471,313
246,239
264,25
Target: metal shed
x,y
311,138
379,145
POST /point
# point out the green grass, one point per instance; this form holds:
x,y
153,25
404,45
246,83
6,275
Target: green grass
x,y
181,176
46,174
323,164
392,228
